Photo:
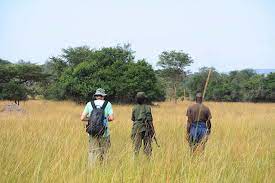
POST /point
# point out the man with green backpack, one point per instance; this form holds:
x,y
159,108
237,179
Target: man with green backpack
x,y
98,113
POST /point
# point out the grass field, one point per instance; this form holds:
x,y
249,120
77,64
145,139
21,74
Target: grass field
x,y
49,144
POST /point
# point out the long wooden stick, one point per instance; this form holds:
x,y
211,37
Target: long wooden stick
x,y
206,83
204,91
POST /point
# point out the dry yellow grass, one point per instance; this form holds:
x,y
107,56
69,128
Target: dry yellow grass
x,y
49,144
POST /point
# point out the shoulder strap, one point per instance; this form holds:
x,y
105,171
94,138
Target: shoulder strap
x,y
104,105
93,104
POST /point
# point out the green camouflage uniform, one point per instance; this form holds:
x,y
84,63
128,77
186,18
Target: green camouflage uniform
x,y
140,114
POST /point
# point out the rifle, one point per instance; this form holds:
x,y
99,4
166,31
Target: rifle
x,y
150,131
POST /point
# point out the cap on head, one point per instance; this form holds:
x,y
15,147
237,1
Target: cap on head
x,y
141,95
100,92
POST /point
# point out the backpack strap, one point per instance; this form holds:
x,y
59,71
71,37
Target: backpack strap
x,y
93,104
104,105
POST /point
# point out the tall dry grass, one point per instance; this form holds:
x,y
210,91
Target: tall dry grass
x,y
49,144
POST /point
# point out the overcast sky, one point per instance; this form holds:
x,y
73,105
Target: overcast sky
x,y
226,34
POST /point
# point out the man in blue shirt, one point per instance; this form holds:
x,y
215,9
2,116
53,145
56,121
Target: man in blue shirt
x,y
98,146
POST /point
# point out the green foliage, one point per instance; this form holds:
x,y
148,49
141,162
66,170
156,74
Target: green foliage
x,y
244,85
74,56
14,91
78,72
172,72
4,62
268,86
55,67
114,69
174,60
17,81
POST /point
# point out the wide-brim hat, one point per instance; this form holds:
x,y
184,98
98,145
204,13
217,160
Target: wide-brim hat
x,y
100,92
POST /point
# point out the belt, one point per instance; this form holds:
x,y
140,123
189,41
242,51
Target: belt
x,y
199,122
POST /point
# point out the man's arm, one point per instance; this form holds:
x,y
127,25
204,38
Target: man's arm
x,y
208,122
133,115
188,124
85,113
149,115
83,116
111,117
189,120
149,121
110,113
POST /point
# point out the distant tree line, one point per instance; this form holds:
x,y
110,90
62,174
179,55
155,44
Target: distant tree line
x,y
236,86
77,72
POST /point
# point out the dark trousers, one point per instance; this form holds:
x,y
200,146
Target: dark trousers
x,y
140,137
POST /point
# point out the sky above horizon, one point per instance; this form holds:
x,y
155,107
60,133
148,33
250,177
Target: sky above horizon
x,y
225,34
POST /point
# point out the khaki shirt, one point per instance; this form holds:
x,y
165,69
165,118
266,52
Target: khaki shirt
x,y
198,112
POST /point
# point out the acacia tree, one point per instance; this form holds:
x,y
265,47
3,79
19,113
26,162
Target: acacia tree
x,y
17,81
173,68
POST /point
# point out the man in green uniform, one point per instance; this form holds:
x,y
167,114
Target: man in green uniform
x,y
198,123
142,130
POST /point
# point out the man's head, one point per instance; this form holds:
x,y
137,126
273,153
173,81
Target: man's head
x,y
100,94
140,97
198,97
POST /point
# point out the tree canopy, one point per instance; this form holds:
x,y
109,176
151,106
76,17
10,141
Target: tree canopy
x,y
80,71
17,81
173,69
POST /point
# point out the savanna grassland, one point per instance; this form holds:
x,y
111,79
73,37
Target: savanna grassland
x,y
48,144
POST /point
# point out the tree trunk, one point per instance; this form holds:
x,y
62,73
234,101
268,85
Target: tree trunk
x,y
175,93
